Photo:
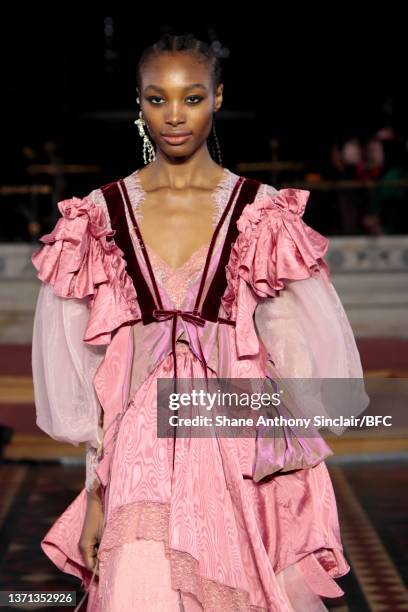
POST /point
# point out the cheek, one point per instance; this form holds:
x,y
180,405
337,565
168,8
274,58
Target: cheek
x,y
204,125
153,120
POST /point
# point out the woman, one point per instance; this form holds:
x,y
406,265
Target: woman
x,y
175,272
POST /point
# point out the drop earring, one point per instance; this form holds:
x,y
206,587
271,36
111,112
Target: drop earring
x,y
147,144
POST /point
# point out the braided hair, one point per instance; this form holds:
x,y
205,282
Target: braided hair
x,y
187,43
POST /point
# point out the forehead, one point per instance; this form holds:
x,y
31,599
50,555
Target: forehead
x,y
172,71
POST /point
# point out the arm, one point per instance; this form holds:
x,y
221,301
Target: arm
x,y
85,296
280,296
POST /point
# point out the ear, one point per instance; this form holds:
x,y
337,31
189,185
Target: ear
x,y
218,97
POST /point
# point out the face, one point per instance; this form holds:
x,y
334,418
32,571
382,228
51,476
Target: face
x,y
351,152
177,95
375,152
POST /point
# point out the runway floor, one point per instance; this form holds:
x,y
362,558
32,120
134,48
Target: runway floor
x,y
372,504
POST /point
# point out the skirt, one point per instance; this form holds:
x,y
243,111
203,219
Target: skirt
x,y
196,534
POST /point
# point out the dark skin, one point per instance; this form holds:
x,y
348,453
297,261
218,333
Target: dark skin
x,y
92,530
178,207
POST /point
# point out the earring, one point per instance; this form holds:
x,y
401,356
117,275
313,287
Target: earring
x,y
147,145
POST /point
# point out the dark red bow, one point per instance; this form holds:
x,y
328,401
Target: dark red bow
x,y
191,316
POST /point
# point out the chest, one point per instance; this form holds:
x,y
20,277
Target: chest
x,y
176,226
205,302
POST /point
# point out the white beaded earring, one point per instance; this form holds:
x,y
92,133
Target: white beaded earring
x,y
147,144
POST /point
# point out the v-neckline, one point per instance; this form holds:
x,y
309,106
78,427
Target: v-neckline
x,y
232,193
174,271
146,248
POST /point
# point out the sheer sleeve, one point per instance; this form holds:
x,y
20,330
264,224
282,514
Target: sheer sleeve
x,y
63,367
280,292
308,337
307,332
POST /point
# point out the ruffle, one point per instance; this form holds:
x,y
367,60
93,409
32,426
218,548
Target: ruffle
x,y
319,566
80,259
150,520
274,244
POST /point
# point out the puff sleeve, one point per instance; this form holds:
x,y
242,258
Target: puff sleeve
x,y
281,296
85,295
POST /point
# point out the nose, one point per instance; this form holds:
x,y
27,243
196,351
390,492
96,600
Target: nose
x,y
175,115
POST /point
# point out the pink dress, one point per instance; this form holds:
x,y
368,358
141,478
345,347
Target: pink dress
x,y
190,524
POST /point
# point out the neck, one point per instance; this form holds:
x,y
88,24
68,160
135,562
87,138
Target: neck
x,y
180,174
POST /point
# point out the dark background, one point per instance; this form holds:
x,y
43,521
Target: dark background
x,y
310,77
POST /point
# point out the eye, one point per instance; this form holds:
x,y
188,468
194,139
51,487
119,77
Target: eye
x,y
197,97
151,98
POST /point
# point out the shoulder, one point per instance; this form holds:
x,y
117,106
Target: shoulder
x,y
273,206
272,201
133,188
265,191
97,199
274,244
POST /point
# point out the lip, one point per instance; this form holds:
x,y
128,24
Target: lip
x,y
176,139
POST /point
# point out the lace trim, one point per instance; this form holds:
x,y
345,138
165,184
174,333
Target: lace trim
x,y
138,195
196,256
92,458
98,199
177,281
150,521
135,189
220,193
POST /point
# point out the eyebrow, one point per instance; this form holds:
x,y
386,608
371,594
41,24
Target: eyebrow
x,y
200,85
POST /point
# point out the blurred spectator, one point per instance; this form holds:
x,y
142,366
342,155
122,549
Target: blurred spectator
x,y
386,211
346,162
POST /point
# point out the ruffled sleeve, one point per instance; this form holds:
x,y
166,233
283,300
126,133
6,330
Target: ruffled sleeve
x,y
274,245
80,260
